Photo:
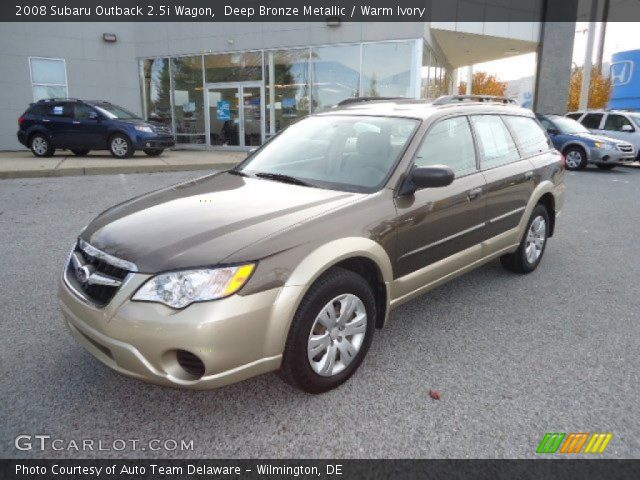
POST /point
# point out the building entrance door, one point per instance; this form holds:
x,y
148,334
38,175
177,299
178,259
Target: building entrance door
x,y
235,115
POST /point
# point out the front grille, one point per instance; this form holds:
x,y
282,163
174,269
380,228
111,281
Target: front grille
x,y
625,148
104,268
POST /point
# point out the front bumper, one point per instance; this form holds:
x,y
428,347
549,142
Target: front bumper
x,y
236,338
598,155
154,141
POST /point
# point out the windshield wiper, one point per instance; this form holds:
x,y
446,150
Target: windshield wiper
x,y
240,173
281,177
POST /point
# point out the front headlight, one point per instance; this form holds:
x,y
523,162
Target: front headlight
x,y
143,128
182,288
604,146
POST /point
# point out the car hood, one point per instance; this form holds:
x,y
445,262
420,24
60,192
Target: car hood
x,y
204,221
596,138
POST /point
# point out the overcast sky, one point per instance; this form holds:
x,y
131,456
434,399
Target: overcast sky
x,y
620,37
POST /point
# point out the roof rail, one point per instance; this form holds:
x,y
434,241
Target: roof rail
x,y
449,99
353,100
45,100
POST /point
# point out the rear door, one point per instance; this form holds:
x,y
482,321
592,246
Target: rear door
x,y
435,223
509,175
59,122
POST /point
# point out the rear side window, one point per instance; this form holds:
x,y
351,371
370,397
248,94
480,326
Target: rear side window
x,y
574,116
495,143
38,110
530,137
616,122
592,120
450,143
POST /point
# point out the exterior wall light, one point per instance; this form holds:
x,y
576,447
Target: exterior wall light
x,y
333,21
109,37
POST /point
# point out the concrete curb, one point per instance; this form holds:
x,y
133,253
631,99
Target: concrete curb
x,y
107,170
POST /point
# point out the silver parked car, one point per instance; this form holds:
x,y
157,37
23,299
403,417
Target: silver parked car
x,y
618,124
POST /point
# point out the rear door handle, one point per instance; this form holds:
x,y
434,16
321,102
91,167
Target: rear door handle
x,y
76,122
475,193
45,120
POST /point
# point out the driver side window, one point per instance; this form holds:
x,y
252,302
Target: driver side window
x,y
449,143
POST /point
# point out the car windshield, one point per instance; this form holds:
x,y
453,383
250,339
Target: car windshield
x,y
114,111
340,152
636,118
568,126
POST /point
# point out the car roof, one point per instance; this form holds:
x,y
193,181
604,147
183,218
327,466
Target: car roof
x,y
423,109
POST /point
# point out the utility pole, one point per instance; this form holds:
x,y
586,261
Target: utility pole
x,y
470,80
588,57
603,35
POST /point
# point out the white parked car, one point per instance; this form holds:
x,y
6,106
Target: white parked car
x,y
618,124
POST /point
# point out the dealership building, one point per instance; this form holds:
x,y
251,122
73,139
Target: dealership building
x,y
232,85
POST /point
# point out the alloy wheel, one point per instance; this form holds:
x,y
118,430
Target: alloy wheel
x,y
574,159
39,145
119,146
536,237
337,335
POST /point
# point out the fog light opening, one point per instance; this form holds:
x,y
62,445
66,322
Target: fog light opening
x,y
190,363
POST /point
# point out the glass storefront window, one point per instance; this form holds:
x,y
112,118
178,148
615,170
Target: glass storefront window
x,y
157,89
335,74
290,86
233,67
188,99
387,69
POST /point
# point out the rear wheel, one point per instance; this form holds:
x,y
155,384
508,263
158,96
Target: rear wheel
x,y
607,166
41,146
531,249
80,153
153,152
330,333
576,158
120,146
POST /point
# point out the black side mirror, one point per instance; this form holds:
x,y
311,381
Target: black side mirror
x,y
553,131
427,177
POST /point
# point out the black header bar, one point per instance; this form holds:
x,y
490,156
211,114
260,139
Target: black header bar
x,y
333,12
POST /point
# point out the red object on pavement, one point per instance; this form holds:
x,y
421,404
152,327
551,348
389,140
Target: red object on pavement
x,y
435,394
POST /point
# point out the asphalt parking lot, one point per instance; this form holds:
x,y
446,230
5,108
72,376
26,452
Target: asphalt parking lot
x,y
513,356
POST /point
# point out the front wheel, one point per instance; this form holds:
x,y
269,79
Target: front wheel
x,y
576,158
607,166
153,152
330,333
120,146
529,253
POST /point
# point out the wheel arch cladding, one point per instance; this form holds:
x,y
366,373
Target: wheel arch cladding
x,y
357,254
549,202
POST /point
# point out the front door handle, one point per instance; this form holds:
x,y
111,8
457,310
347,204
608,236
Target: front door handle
x,y
76,122
475,193
528,175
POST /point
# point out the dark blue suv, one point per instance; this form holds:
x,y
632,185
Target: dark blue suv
x,y
81,126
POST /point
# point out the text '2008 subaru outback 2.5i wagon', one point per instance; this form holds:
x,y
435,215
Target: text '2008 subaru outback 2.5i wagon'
x,y
292,260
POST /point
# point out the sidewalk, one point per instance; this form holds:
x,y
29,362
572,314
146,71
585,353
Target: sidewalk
x,y
24,164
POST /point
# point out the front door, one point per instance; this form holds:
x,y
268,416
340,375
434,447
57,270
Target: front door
x,y
235,115
436,223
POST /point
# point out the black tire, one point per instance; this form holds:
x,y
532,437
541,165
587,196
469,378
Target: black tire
x,y
580,156
80,153
296,367
41,146
153,152
517,261
606,166
120,146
